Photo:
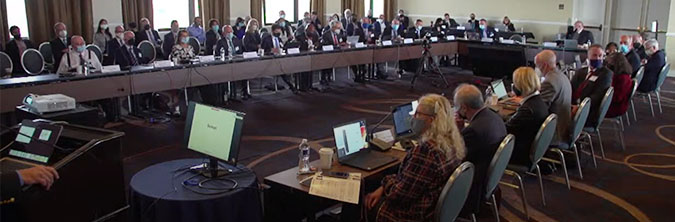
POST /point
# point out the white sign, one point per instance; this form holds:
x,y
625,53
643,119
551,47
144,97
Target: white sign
x,y
292,51
360,45
550,44
205,59
386,43
461,28
434,39
111,68
248,55
486,40
407,41
327,48
163,63
450,37
508,41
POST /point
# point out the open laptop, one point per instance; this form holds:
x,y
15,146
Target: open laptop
x,y
499,89
570,44
352,148
352,40
34,145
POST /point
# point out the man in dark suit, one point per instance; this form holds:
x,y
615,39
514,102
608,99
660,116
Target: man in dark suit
x,y
583,37
147,33
482,137
418,31
656,59
626,48
392,32
308,40
347,23
638,46
11,183
449,22
128,54
592,82
473,21
59,44
272,44
316,20
231,46
403,19
170,39
484,30
336,38
16,47
212,37
379,26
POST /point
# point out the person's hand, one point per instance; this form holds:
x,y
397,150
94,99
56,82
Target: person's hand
x,y
374,197
516,99
575,108
459,121
42,175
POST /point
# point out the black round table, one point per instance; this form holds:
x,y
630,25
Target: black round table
x,y
157,194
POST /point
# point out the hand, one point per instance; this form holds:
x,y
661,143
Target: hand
x,y
516,99
374,197
459,121
42,175
575,108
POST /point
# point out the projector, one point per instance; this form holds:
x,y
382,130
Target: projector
x,y
48,103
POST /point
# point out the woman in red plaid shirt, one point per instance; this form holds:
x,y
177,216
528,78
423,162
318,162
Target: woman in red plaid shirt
x,y
411,195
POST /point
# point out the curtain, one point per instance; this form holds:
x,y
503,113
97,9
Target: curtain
x,y
319,6
43,14
355,5
4,27
390,9
134,10
256,10
215,9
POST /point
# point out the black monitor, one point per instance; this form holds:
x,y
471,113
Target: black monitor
x,y
35,141
214,132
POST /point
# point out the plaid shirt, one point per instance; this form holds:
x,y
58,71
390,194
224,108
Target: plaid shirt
x,y
411,195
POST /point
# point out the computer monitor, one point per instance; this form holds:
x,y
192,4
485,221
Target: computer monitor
x,y
35,141
499,89
350,138
402,115
214,132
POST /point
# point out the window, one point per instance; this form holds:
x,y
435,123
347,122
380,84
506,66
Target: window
x,y
16,15
165,11
377,6
294,10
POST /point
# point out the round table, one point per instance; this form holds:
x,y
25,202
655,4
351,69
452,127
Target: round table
x,y
157,194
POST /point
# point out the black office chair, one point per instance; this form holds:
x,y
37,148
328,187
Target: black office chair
x,y
97,51
32,61
6,65
148,50
45,49
195,46
518,38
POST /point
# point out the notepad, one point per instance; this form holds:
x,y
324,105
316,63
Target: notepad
x,y
450,37
345,190
384,135
360,45
162,63
205,59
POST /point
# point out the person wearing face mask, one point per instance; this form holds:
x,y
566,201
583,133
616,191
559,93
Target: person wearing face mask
x,y
114,44
59,44
231,46
212,37
102,35
392,32
484,30
379,26
412,193
316,20
473,22
239,28
592,82
509,25
626,48
418,31
362,30
638,46
182,51
306,18
146,33
404,20
196,31
252,39
583,37
286,29
170,38
336,38
15,49
347,22
529,116
656,59
611,47
128,54
274,44
622,85
482,137
556,91
78,56
309,40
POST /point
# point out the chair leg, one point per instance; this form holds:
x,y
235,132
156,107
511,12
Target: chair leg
x,y
541,185
632,106
473,217
651,107
602,148
522,194
620,135
494,208
590,142
562,160
576,153
627,118
658,99
621,122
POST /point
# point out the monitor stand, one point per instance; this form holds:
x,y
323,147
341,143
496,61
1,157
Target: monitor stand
x,y
211,170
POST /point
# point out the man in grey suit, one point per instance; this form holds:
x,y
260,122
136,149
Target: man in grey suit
x,y
556,91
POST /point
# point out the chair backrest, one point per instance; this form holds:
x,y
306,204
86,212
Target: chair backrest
x,y
32,61
633,88
97,51
543,139
501,28
45,49
580,118
147,50
195,45
604,105
498,164
6,63
662,76
454,193
517,38
640,73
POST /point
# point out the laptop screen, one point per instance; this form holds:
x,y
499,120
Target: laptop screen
x,y
402,115
499,89
35,141
350,138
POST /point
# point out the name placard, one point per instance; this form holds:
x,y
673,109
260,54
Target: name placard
x,y
162,63
386,43
248,55
292,51
327,48
407,41
110,68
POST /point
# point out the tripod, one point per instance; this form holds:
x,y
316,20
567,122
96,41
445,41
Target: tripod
x,y
426,55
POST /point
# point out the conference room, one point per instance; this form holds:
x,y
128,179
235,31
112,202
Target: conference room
x,y
336,110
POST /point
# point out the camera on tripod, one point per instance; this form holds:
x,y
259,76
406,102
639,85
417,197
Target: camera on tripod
x,y
426,42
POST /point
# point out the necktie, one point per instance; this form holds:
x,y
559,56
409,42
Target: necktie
x,y
132,57
150,36
335,41
230,46
581,87
64,42
81,59
276,42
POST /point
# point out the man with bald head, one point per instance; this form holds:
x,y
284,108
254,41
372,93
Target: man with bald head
x,y
60,43
78,56
626,48
638,46
556,91
128,54
482,137
584,37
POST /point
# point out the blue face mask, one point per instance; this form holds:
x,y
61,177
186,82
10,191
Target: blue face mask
x,y
595,63
215,28
80,49
365,26
229,35
624,49
283,24
395,27
241,24
185,40
482,26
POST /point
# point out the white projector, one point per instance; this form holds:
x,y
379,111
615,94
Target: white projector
x,y
48,103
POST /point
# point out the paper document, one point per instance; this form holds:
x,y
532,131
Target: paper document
x,y
385,136
346,190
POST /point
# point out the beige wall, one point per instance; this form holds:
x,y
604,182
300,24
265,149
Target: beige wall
x,y
542,17
332,7
239,8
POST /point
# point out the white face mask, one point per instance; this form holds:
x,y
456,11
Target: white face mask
x,y
120,35
63,33
282,16
338,31
104,26
650,52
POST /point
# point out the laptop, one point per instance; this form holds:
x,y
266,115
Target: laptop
x,y
34,145
570,44
352,147
402,115
499,89
352,40
501,28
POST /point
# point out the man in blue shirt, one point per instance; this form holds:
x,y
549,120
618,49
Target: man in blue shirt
x,y
197,31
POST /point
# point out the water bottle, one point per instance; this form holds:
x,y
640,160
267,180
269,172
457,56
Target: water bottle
x,y
491,97
222,54
303,157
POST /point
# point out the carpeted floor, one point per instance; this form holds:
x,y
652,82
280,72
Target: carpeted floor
x,y
632,185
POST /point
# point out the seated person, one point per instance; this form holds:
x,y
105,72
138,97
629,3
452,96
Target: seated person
x,y
239,28
273,44
147,33
309,40
473,21
231,46
508,24
78,56
527,120
656,59
639,47
412,193
196,31
336,38
182,51
378,27
626,48
611,47
482,137
484,30
359,70
592,82
622,84
128,54
212,37
451,23
394,33
584,37
170,38
15,49
418,31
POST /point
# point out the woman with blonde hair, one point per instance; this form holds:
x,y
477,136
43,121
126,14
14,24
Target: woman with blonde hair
x,y
412,193
252,38
527,120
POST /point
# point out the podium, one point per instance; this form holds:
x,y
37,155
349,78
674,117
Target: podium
x,y
91,184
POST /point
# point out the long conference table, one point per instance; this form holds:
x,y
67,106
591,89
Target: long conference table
x,y
145,79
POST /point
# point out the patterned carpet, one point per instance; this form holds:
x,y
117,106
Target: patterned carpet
x,y
632,185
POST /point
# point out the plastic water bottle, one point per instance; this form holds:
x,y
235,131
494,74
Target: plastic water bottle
x,y
303,157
